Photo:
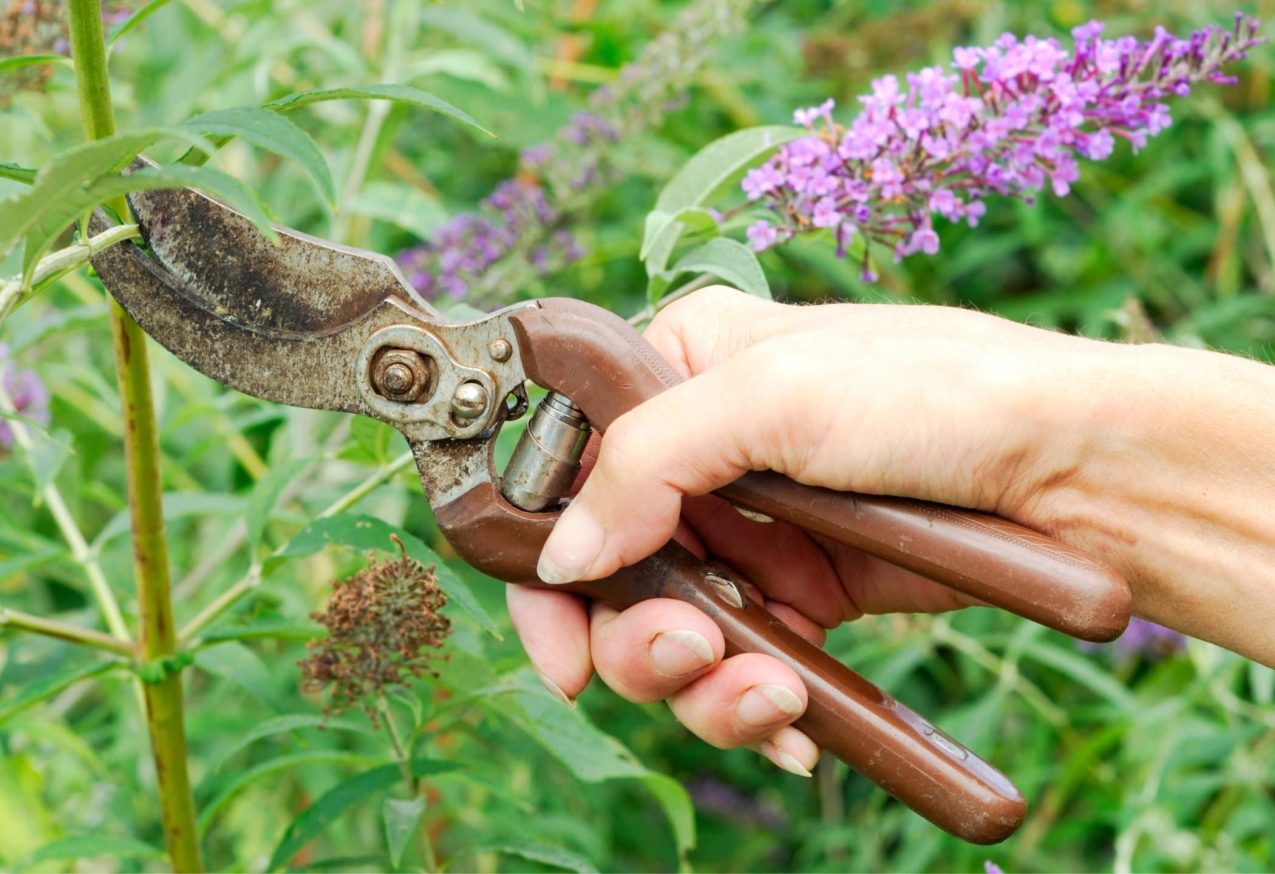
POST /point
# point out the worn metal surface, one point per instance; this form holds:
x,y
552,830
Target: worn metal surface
x,y
301,285
307,322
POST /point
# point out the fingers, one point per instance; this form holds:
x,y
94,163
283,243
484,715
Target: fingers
x,y
714,323
668,649
654,648
744,700
791,750
554,630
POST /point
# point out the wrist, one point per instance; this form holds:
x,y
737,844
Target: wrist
x,y
1150,462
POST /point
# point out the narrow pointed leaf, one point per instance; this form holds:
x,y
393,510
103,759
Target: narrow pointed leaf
x,y
402,817
397,93
331,805
269,130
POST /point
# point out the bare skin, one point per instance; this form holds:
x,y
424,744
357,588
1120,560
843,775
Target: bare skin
x,y
1154,459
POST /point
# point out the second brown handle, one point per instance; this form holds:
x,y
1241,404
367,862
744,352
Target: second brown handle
x,y
985,556
848,716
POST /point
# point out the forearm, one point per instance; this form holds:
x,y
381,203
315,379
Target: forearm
x,y
1166,469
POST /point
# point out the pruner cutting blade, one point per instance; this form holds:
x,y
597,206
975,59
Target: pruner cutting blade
x,y
281,321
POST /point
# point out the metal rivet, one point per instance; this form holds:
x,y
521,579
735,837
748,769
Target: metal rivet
x,y
727,589
500,350
469,400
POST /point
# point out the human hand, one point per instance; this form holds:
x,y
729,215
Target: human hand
x,y
933,403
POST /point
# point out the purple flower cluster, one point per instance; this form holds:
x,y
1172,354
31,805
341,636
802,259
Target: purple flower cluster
x,y
1007,120
465,248
30,397
518,234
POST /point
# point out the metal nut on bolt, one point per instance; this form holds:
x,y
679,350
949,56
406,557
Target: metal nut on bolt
x,y
402,375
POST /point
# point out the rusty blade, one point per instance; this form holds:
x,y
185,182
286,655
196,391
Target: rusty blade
x,y
302,285
283,322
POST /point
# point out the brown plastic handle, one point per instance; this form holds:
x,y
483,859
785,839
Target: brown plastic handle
x,y
848,716
601,363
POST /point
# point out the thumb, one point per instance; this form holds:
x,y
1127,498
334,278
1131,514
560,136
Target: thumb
x,y
694,438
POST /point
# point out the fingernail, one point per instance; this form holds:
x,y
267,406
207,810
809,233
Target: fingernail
x,y
767,704
674,653
554,689
572,546
783,759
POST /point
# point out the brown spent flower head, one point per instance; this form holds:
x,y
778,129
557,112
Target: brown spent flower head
x,y
38,27
381,624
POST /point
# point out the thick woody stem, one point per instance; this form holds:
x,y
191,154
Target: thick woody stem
x,y
158,641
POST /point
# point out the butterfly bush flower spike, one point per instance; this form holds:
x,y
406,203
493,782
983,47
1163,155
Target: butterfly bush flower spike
x,y
1007,120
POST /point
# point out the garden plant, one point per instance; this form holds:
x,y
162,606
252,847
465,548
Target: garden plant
x,y
232,635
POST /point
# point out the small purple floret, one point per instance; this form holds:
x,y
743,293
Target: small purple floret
x,y
30,397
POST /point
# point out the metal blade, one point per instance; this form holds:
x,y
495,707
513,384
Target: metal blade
x,y
302,285
300,370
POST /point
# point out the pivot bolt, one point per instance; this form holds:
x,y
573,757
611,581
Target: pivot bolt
x,y
469,401
402,375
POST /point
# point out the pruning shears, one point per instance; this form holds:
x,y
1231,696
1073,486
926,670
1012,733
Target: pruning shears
x,y
309,323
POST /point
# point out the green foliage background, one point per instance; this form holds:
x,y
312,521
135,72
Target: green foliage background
x,y
1129,763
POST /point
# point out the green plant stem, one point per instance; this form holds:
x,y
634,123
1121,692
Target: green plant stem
x,y
423,844
158,641
648,312
377,112
80,550
65,631
13,292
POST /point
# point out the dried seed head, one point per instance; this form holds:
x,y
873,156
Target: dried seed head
x,y
382,624
38,27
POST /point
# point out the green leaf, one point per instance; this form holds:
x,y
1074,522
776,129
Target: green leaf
x,y
590,754
544,854
368,532
288,723
271,131
134,20
266,493
82,177
714,168
1085,673
24,175
46,458
17,62
402,817
221,186
226,787
401,205
28,423
397,93
331,805
27,213
241,666
1262,680
729,260
51,685
91,847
